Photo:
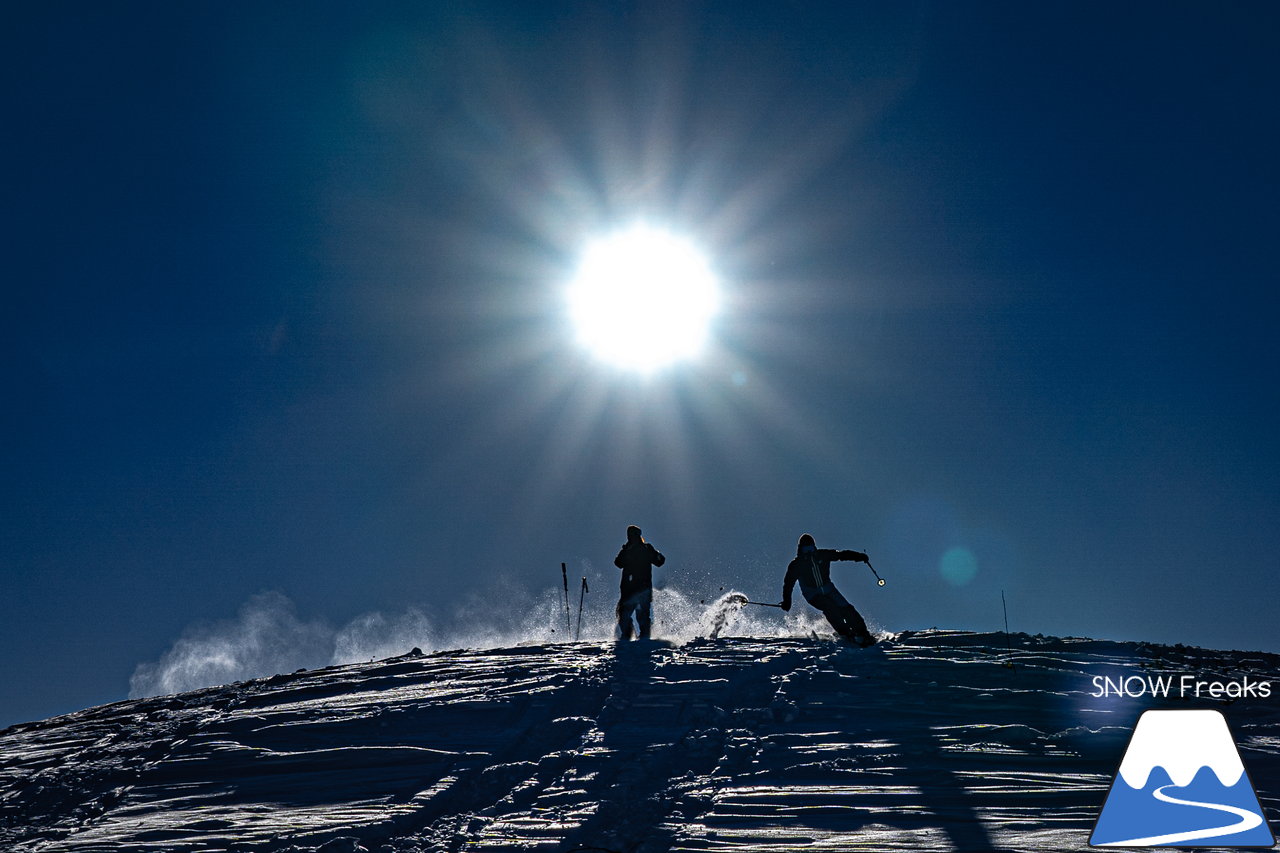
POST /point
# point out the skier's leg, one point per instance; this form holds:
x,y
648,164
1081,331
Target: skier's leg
x,y
836,618
624,618
854,626
820,597
830,606
644,613
858,626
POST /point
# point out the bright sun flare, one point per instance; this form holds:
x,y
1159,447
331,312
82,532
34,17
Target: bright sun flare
x,y
643,299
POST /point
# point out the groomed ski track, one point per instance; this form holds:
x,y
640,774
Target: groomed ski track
x,y
936,741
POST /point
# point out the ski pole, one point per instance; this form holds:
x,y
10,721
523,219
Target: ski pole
x,y
763,604
581,595
564,574
879,580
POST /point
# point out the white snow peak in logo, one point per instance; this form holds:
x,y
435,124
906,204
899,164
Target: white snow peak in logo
x,y
1181,784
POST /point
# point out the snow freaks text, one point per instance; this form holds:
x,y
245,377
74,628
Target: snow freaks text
x,y
1179,687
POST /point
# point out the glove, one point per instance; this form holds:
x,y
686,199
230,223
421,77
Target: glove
x,y
859,557
786,604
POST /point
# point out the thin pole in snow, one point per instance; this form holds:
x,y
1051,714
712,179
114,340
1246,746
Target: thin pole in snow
x,y
581,595
1008,643
564,574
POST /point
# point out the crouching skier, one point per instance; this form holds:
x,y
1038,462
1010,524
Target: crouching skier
x,y
636,559
812,568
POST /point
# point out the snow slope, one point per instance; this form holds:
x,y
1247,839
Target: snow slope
x,y
937,740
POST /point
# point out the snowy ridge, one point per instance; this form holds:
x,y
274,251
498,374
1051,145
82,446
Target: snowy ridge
x,y
935,741
1181,743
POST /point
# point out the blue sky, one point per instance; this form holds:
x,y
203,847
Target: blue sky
x,y
284,313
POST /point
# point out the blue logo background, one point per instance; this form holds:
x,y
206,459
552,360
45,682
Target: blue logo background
x,y
1162,814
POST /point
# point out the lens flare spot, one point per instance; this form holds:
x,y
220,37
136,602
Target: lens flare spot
x,y
958,566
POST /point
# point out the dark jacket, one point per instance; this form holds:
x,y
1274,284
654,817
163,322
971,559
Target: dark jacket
x,y
637,559
813,570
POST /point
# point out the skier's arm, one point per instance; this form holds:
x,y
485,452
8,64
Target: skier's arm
x,y
617,561
656,558
787,583
856,556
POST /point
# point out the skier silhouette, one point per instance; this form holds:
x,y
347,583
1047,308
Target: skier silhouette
x,y
636,559
812,568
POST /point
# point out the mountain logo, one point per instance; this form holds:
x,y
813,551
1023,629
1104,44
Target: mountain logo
x,y
1181,783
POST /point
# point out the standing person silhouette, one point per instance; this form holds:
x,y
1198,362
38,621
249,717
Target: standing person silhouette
x,y
636,559
812,568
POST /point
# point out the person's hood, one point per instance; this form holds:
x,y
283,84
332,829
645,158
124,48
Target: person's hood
x,y
806,539
633,535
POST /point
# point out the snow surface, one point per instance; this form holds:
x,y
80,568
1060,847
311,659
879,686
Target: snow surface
x,y
933,741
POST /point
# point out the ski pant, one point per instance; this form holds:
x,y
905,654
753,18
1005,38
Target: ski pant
x,y
842,615
640,604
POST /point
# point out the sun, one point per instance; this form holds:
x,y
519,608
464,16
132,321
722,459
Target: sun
x,y
643,299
